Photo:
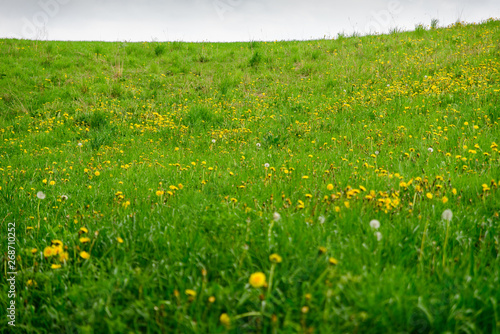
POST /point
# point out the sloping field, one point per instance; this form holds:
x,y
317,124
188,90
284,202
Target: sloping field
x,y
329,186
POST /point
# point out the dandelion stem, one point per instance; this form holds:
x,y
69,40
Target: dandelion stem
x,y
445,242
270,284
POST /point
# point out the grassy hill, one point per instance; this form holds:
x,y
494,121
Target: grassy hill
x,y
153,185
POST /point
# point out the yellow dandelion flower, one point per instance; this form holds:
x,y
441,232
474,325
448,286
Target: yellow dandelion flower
x,y
34,250
329,187
305,177
48,251
190,293
97,173
444,199
84,240
429,195
347,205
211,299
63,257
257,280
225,320
84,230
333,261
275,258
52,183
159,192
85,255
120,240
55,266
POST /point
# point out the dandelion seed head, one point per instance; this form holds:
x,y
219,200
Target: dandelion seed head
x,y
40,195
447,215
276,216
375,224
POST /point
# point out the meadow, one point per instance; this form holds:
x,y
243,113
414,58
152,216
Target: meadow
x,y
345,185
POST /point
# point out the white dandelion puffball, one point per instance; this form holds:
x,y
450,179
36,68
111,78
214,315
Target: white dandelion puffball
x,y
321,219
375,224
378,235
40,195
266,165
213,141
276,216
258,145
430,149
377,152
80,144
64,197
447,215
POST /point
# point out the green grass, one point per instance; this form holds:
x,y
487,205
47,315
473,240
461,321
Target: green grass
x,y
185,152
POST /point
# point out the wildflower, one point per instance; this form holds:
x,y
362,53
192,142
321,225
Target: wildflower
x,y
257,280
190,293
55,266
40,195
52,183
305,309
429,195
97,173
447,215
275,258
333,261
444,199
375,224
321,219
213,141
430,149
377,152
276,216
120,240
211,299
64,197
159,192
266,165
378,235
80,144
48,252
258,145
63,257
322,250
305,177
85,255
84,240
34,250
329,187
225,320
83,230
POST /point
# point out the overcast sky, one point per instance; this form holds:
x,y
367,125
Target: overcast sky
x,y
226,20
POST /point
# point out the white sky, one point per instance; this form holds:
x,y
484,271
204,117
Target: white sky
x,y
226,20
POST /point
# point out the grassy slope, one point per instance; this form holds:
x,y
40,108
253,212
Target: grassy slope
x,y
208,116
